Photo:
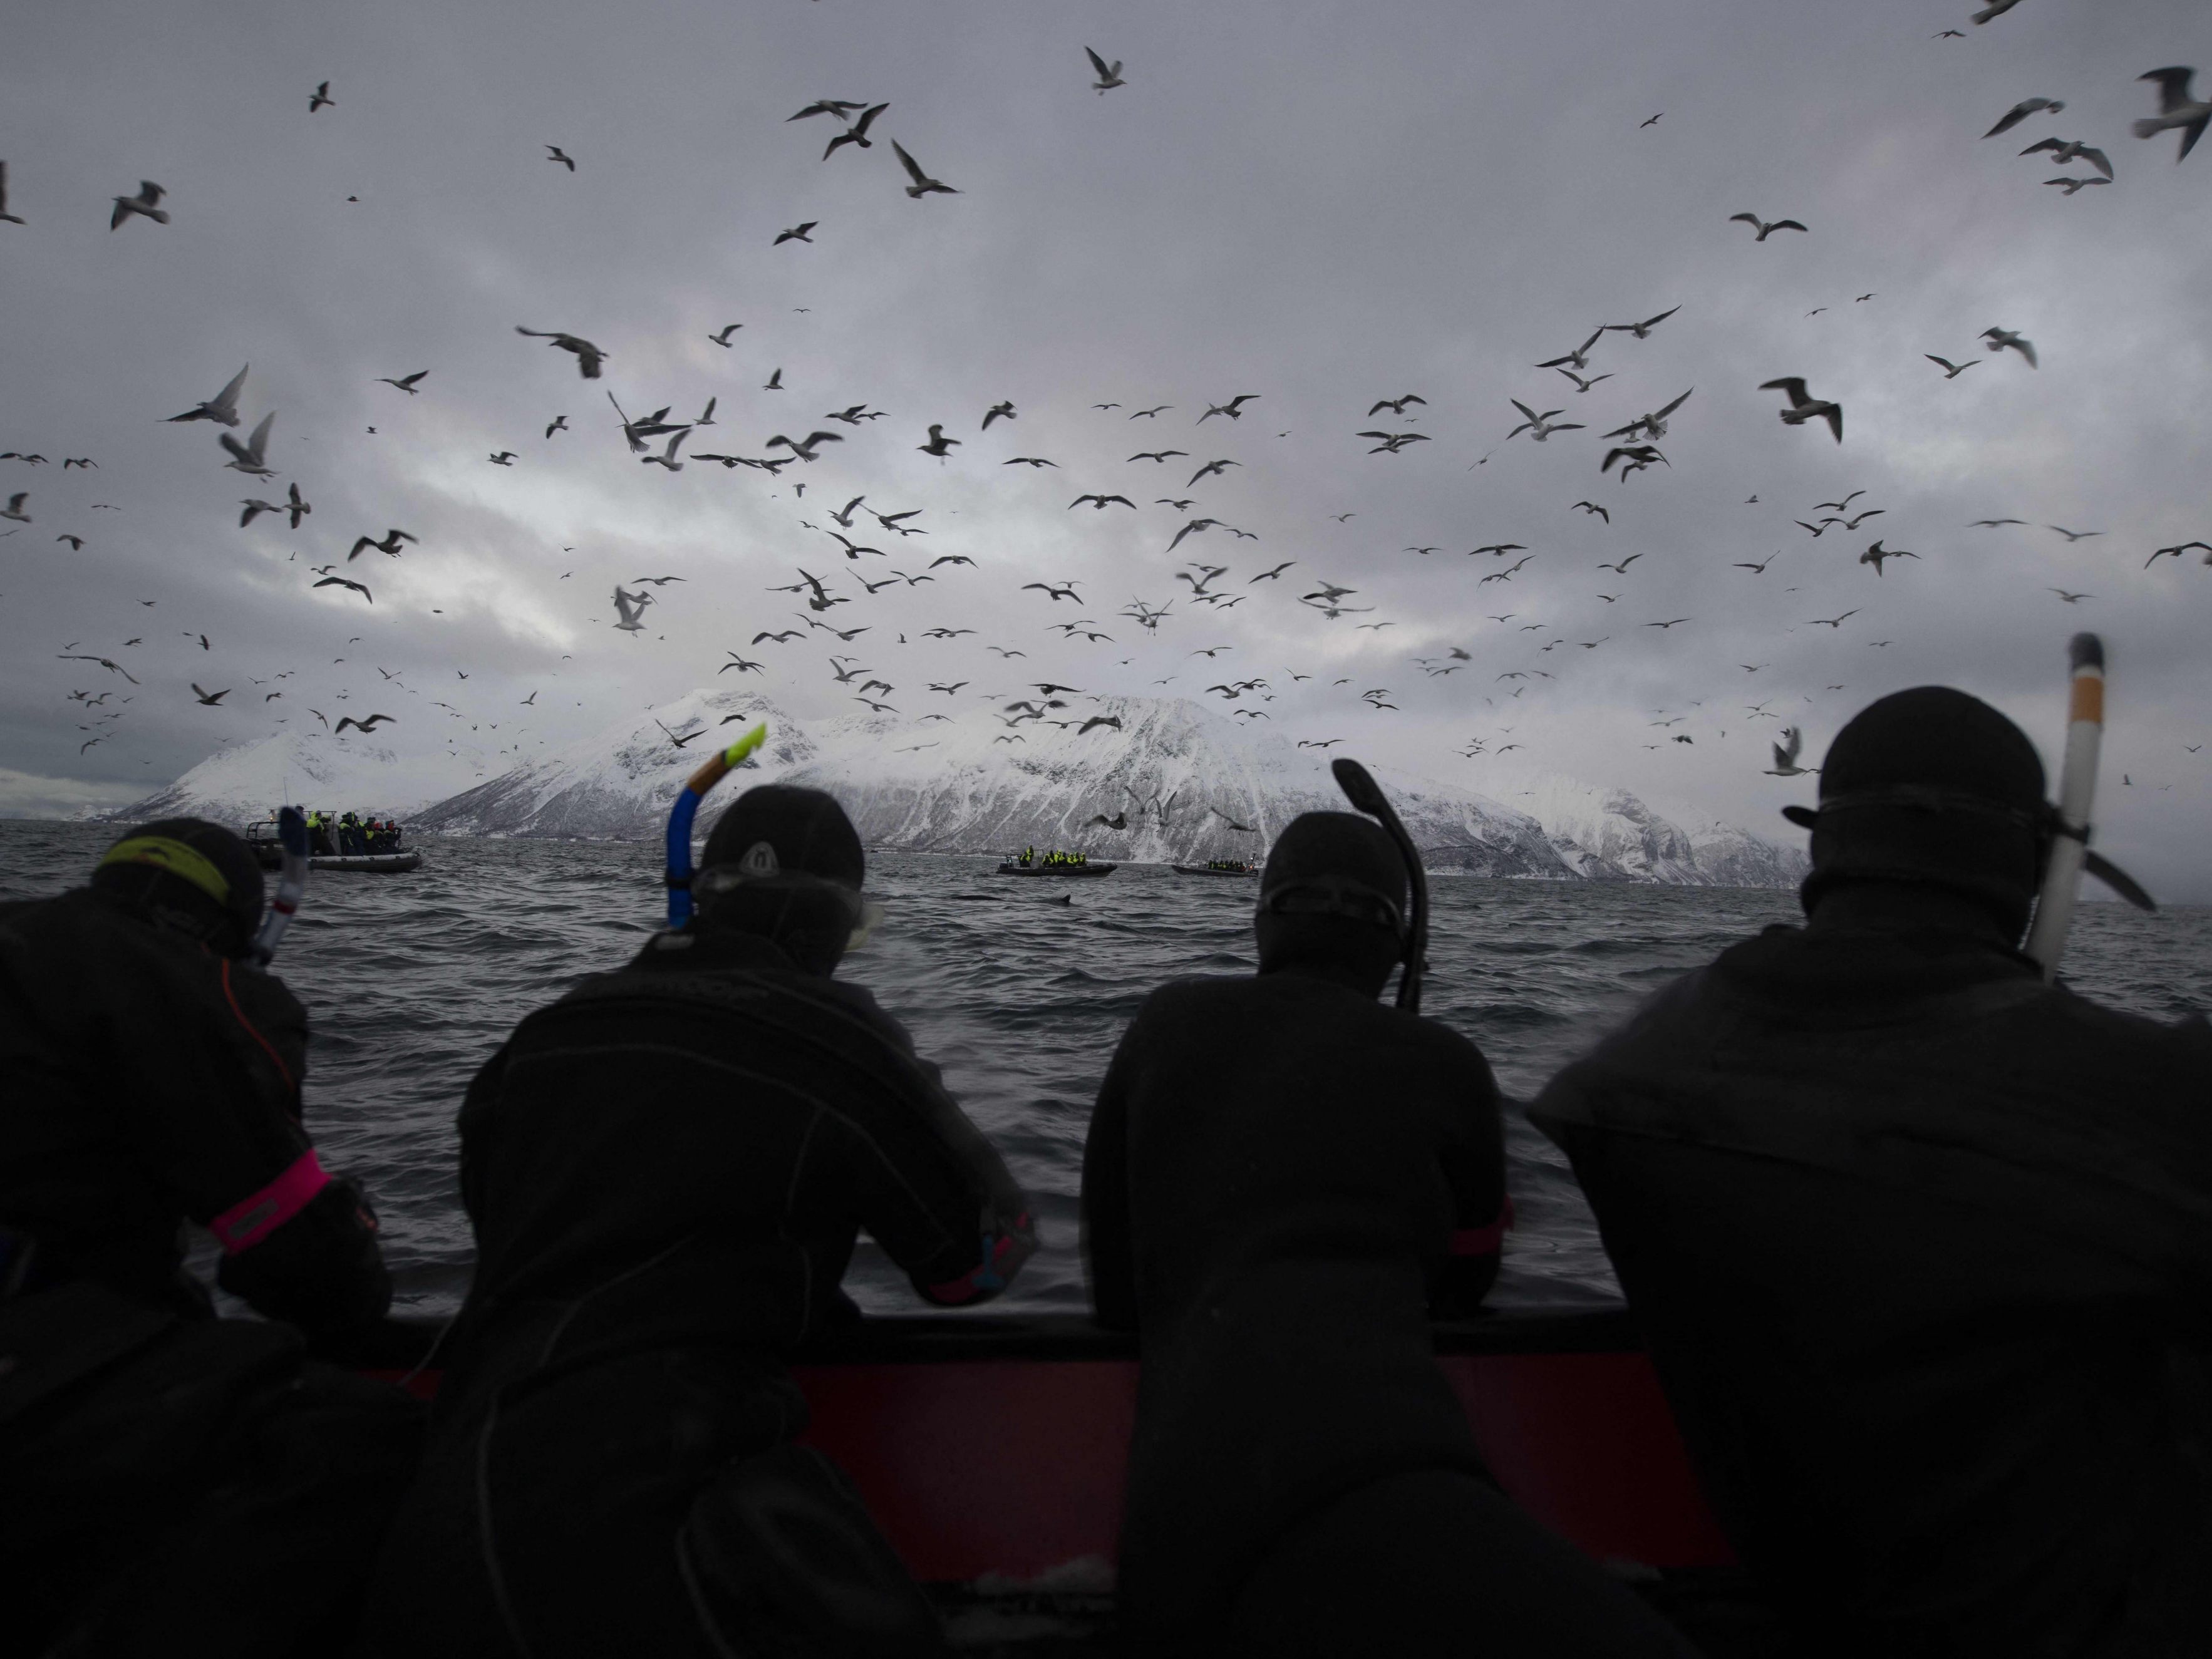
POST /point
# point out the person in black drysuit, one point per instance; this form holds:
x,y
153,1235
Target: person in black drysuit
x,y
1923,1246
171,1482
666,1170
1284,1181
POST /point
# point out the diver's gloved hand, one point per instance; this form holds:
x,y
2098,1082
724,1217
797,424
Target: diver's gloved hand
x,y
320,1269
1008,1241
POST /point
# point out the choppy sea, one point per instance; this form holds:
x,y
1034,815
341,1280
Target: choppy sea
x,y
412,981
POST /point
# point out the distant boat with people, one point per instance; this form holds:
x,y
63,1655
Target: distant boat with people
x,y
343,843
1218,867
1031,862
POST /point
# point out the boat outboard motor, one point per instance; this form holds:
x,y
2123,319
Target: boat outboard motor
x,y
1364,793
291,883
679,874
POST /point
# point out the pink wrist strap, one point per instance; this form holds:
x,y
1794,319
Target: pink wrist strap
x,y
252,1219
1482,1241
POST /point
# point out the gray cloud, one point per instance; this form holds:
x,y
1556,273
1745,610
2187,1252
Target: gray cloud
x,y
1321,205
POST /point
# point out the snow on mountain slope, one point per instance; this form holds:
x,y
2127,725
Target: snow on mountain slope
x,y
356,775
1174,782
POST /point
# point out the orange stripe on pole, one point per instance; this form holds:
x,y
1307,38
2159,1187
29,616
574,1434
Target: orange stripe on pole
x,y
2087,703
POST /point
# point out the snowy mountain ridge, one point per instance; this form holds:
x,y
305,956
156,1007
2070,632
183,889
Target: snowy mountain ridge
x,y
1173,781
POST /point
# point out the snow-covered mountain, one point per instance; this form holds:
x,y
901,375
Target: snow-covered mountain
x,y
356,775
1173,782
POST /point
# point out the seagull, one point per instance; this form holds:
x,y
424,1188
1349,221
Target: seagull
x,y
2178,551
390,544
1581,385
75,543
405,382
667,456
2178,107
997,411
369,725
505,458
321,98
631,606
1064,591
2063,150
560,424
923,185
254,509
222,407
1759,569
1765,227
1951,371
141,204
1109,76
2072,536
857,133
588,356
247,456
1677,622
1593,507
804,448
2020,111
553,153
1397,405
1785,756
211,699
1155,409
1270,575
1803,407
1099,503
1114,720
1652,426
1992,523
939,444
1634,459
798,232
1874,554
1539,427
2072,599
1393,442
1642,331
2076,186
1837,621
1578,358
1233,409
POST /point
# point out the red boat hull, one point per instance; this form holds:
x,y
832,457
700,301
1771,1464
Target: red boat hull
x,y
995,1444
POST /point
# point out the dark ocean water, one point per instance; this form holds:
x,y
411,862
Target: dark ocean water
x,y
411,981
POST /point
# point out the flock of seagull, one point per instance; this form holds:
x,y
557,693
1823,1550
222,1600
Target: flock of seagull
x,y
658,440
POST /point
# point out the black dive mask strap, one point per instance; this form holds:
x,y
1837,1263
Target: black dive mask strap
x,y
1333,896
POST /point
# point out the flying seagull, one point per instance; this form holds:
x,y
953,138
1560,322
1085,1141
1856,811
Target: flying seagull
x,y
321,98
798,232
554,153
222,407
404,382
361,588
1804,407
1785,755
631,606
1763,226
141,204
248,457
1233,409
1951,371
2020,111
1642,331
2063,150
588,356
923,185
369,725
210,699
1110,74
1874,554
857,133
2178,107
1999,339
939,444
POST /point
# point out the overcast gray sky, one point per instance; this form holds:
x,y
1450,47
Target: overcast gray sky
x,y
1322,204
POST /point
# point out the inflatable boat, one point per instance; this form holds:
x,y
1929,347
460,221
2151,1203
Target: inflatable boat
x,y
1208,870
1565,1407
1013,868
271,857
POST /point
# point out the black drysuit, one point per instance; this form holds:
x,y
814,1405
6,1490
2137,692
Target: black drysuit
x,y
1923,1251
161,1471
667,1170
1283,1177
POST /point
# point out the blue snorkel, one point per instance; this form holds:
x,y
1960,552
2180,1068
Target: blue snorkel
x,y
679,874
291,882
